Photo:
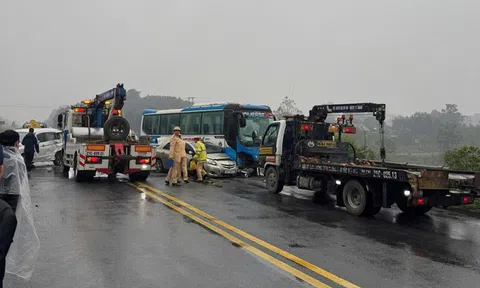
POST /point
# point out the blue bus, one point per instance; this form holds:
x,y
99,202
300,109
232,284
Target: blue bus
x,y
236,127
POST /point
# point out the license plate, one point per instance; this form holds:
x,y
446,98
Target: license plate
x,y
230,172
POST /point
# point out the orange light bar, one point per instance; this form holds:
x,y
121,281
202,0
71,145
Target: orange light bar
x,y
333,129
95,147
87,102
143,148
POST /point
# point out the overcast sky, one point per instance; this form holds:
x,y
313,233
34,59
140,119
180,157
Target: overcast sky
x,y
411,54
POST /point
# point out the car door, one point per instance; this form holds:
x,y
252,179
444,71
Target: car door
x,y
58,143
41,155
49,146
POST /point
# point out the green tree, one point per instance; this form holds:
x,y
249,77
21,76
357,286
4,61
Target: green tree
x,y
448,136
463,158
360,151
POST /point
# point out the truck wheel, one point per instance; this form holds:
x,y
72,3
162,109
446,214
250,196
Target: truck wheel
x,y
65,168
116,128
79,176
356,199
58,159
274,184
139,176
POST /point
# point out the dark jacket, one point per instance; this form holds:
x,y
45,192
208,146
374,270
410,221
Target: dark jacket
x,y
31,143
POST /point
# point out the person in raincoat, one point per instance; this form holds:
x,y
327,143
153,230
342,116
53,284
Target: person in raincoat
x,y
200,157
15,190
176,146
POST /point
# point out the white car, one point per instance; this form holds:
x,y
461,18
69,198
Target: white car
x,y
218,163
50,142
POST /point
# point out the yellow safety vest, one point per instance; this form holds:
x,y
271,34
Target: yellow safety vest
x,y
201,152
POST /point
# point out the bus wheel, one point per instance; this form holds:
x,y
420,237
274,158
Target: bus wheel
x,y
356,199
274,184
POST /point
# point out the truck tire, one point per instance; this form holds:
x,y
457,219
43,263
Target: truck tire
x,y
139,176
58,158
79,176
116,128
274,184
356,199
65,168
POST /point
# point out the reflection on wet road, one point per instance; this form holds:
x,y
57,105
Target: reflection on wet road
x,y
113,235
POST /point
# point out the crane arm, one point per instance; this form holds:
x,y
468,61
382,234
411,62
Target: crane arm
x,y
320,112
117,94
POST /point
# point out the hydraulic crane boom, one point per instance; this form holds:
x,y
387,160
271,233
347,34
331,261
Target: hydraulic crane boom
x,y
320,113
117,94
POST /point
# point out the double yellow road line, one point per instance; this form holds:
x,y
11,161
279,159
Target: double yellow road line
x,y
167,200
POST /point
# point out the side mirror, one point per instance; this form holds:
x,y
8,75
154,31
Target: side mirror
x,y
242,122
254,135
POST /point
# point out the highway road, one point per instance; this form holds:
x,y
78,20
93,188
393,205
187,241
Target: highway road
x,y
124,234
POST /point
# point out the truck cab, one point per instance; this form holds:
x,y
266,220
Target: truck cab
x,y
285,141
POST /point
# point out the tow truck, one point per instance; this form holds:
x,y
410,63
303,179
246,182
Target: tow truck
x,y
96,139
308,152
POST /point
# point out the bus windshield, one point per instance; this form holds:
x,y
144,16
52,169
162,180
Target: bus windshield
x,y
257,123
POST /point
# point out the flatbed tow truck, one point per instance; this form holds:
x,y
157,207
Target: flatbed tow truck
x,y
96,139
308,152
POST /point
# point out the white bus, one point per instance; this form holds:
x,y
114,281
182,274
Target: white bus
x,y
236,127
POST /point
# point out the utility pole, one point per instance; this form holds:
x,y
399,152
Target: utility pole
x,y
190,101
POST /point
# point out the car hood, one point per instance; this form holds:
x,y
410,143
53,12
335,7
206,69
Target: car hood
x,y
218,156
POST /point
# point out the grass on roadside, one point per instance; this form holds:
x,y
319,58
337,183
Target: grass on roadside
x,y
475,207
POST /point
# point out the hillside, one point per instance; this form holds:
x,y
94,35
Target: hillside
x,y
133,108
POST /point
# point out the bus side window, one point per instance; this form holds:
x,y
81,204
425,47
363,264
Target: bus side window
x,y
147,126
212,123
190,123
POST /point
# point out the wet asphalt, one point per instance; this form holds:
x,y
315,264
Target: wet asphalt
x,y
105,234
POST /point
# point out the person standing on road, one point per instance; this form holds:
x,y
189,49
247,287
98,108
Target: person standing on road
x,y
16,218
200,157
30,142
183,162
175,154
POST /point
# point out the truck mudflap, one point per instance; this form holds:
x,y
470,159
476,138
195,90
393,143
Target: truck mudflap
x,y
452,198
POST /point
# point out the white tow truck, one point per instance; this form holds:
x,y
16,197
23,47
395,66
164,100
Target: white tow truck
x,y
96,139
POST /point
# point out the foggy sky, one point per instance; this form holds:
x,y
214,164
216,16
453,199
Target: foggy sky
x,y
411,54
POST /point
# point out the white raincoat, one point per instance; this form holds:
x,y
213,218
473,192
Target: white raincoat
x,y
24,250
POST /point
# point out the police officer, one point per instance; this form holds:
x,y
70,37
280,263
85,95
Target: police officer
x,y
177,145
